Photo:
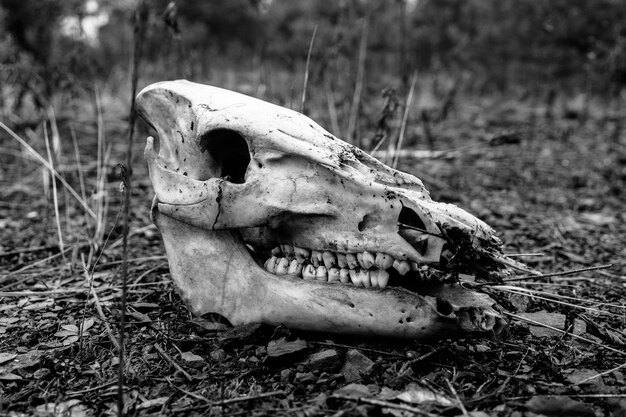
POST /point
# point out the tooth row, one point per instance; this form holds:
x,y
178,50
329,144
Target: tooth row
x,y
376,278
363,260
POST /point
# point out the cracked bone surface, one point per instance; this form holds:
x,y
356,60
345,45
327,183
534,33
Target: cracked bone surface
x,y
267,217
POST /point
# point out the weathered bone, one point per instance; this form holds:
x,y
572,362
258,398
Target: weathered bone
x,y
235,177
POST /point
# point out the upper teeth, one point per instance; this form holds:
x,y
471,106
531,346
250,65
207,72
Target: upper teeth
x,y
363,269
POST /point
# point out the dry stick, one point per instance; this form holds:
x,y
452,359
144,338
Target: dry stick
x,y
232,401
381,352
332,109
79,171
405,117
28,250
172,362
34,264
306,69
382,403
458,399
45,163
140,19
617,368
555,274
358,88
96,300
536,323
55,196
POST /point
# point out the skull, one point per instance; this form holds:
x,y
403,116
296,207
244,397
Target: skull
x,y
267,217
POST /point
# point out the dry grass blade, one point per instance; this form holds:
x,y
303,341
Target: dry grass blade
x,y
547,326
557,274
306,69
55,196
527,291
47,165
405,117
358,88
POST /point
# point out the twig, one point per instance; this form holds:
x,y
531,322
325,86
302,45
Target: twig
x,y
231,401
458,399
172,362
28,250
382,403
99,387
617,368
98,306
382,352
306,69
34,264
547,326
405,117
45,163
55,196
332,109
140,19
556,274
360,75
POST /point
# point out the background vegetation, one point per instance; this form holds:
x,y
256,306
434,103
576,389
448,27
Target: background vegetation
x,y
517,114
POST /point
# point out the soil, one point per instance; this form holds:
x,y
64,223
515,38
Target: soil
x,y
552,187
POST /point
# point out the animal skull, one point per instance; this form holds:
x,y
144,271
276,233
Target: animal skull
x,y
267,217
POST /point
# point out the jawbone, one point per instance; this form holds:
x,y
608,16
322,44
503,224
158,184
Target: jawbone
x,y
214,273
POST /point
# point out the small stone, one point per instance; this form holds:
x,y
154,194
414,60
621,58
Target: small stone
x,y
218,355
286,376
192,359
282,347
356,365
304,377
326,360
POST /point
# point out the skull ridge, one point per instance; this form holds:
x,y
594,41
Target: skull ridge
x,y
267,217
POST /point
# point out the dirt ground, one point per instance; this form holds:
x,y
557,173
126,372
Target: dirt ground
x,y
551,183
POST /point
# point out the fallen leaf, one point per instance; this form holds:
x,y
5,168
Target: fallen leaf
x,y
5,357
555,320
354,390
559,406
155,402
421,395
356,365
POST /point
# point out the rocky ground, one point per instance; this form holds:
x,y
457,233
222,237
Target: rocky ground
x,y
552,185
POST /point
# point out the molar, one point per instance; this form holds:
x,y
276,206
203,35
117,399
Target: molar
x,y
282,267
344,275
365,278
316,258
302,255
277,251
270,264
368,260
359,258
321,274
352,260
295,268
308,272
287,250
341,260
401,266
384,261
329,259
355,278
382,278
333,275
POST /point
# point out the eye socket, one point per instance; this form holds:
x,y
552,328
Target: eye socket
x,y
230,152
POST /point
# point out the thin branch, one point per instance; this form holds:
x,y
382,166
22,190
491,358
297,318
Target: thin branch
x,y
306,70
358,88
556,274
172,362
405,117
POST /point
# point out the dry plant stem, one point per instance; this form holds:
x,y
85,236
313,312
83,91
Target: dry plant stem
x,y
34,264
92,291
547,326
55,196
168,358
556,274
232,401
617,368
458,399
306,69
358,88
405,118
381,352
79,171
141,17
47,165
382,403
332,109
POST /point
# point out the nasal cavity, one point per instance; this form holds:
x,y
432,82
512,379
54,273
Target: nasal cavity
x,y
412,229
229,151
